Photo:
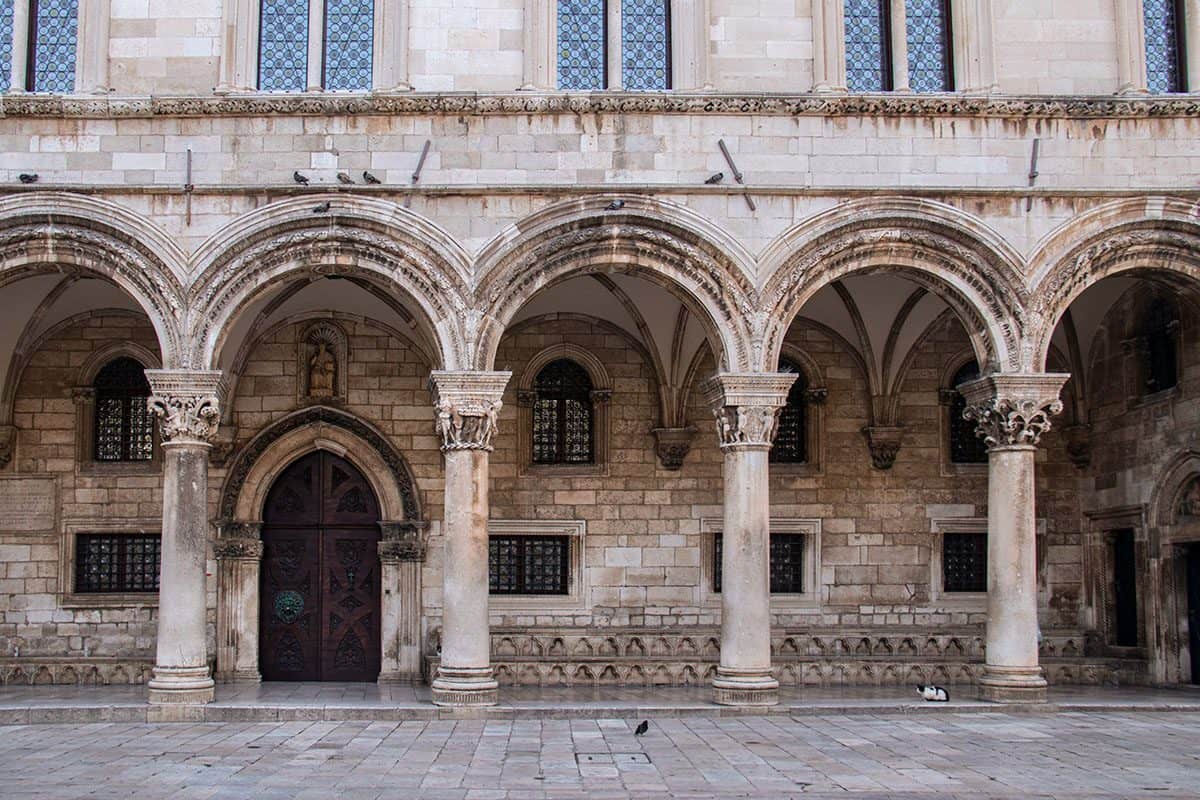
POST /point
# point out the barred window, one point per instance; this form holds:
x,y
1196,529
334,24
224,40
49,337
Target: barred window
x,y
1160,327
964,562
965,446
791,438
787,562
582,45
528,564
563,430
124,423
868,46
930,68
53,38
349,44
283,46
645,45
117,562
1164,45
6,43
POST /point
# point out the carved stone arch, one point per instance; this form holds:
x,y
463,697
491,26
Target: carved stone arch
x,y
593,366
660,241
1153,236
374,242
814,376
64,233
938,247
1176,479
265,456
101,357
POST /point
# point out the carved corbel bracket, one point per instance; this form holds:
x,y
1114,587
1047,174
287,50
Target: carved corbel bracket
x,y
672,445
1079,444
884,443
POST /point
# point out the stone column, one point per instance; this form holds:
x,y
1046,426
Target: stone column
x,y
187,405
746,407
466,405
401,556
239,552
1012,412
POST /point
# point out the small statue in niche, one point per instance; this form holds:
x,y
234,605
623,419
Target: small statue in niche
x,y
1189,503
322,369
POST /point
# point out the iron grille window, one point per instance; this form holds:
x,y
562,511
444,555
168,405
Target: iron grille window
x,y
868,49
1159,327
349,44
53,37
964,562
563,414
965,446
283,46
119,562
6,43
582,45
791,445
1165,53
528,564
645,45
787,562
930,68
124,423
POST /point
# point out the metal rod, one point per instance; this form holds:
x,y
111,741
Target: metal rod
x,y
416,176
187,187
1033,171
737,176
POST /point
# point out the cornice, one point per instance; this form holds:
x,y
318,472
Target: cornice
x,y
473,104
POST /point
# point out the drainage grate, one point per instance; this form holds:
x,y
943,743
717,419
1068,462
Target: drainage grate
x,y
612,758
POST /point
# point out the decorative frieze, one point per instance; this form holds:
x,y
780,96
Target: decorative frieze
x,y
187,403
746,406
1013,410
467,407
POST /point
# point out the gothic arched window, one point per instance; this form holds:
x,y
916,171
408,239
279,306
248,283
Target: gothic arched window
x,y
965,446
563,416
872,35
791,438
1159,329
124,423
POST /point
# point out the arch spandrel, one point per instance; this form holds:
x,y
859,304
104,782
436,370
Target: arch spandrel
x,y
372,240
652,239
64,232
946,251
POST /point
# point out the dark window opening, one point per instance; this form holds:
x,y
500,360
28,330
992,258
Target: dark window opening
x,y
117,562
964,562
563,417
528,564
791,437
124,422
1124,584
787,562
1160,327
965,446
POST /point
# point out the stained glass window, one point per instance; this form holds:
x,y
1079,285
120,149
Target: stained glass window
x,y
55,27
6,43
964,562
117,562
1159,329
929,45
787,562
1164,45
124,424
581,45
965,446
528,564
562,414
791,437
868,53
645,45
283,46
349,44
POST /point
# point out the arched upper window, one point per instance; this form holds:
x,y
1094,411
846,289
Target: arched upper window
x,y
124,423
874,37
791,438
587,34
1165,61
1159,331
965,446
563,416
285,60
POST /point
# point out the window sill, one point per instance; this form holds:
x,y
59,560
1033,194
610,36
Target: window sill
x,y
960,601
951,469
565,470
131,468
109,600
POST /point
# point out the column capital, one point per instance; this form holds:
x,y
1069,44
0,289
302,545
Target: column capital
x,y
746,405
1012,410
188,403
466,406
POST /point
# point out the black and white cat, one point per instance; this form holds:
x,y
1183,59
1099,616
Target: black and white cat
x,y
934,694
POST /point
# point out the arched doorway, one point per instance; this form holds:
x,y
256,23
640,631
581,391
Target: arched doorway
x,y
320,585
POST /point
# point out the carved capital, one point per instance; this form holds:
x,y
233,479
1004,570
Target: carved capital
x,y
467,407
884,443
672,445
8,444
746,406
601,395
237,549
83,395
233,529
817,396
187,404
1013,410
403,541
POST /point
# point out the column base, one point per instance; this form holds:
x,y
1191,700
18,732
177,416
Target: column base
x,y
181,685
1012,684
465,686
733,687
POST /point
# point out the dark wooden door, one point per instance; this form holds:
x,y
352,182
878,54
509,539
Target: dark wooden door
x,y
1125,589
1193,589
320,574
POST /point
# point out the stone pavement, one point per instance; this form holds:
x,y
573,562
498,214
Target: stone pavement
x,y
946,755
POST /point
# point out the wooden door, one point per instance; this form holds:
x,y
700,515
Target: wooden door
x,y
320,577
1193,590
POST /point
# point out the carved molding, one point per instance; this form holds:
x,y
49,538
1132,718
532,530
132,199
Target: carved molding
x,y
233,529
464,103
1013,410
746,406
8,444
187,404
884,443
230,549
76,670
672,445
466,407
